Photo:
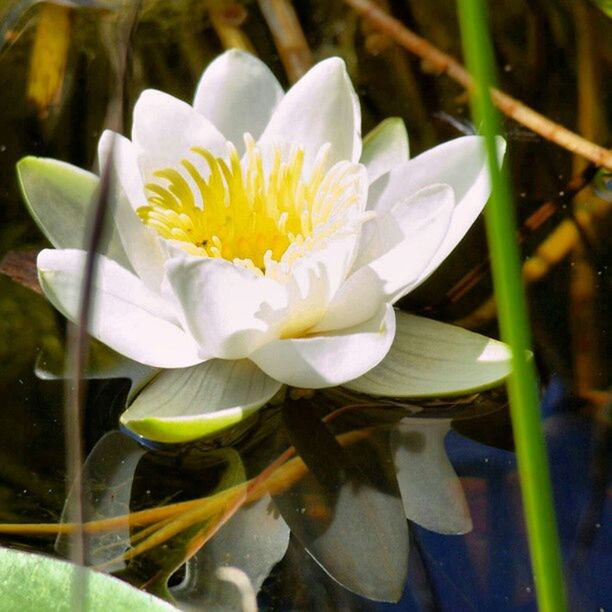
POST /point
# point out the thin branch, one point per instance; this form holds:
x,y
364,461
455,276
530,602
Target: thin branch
x,y
227,19
511,107
288,36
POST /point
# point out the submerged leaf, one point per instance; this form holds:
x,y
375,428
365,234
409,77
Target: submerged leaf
x,y
34,582
168,557
253,541
108,474
431,491
346,511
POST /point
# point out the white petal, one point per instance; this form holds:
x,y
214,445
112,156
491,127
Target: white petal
x,y
140,243
401,246
238,93
188,403
126,316
429,358
58,196
321,361
229,310
431,492
385,147
320,108
314,279
127,172
460,163
165,129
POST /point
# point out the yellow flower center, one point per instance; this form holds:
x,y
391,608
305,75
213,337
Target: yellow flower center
x,y
239,211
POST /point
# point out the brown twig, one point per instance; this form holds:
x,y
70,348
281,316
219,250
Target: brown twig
x,y
586,354
283,472
288,36
444,63
226,19
541,215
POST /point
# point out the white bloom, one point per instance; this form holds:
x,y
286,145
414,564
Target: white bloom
x,y
257,243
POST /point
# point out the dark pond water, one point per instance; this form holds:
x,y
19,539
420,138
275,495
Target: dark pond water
x,y
553,55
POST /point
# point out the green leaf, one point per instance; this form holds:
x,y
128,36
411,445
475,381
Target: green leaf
x,y
33,582
385,147
605,6
58,196
433,359
180,405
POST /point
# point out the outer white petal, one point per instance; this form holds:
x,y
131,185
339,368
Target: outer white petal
x,y
165,129
431,492
433,359
238,93
58,196
126,316
401,246
188,403
460,163
127,190
385,147
322,107
327,360
229,310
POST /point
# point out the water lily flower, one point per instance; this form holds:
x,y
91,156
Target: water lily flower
x,y
257,242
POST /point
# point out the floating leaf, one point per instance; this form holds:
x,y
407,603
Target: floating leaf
x,y
34,582
346,511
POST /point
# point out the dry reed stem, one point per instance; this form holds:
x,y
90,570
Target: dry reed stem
x,y
583,319
511,107
288,37
548,254
226,19
280,475
49,57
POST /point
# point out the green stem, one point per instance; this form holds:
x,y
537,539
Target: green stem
x,y
514,324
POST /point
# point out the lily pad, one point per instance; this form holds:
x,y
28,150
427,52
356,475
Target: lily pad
x,y
35,582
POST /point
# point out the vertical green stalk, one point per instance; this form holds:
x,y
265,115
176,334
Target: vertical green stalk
x,y
514,324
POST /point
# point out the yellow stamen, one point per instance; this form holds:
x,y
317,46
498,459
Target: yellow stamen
x,y
245,214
